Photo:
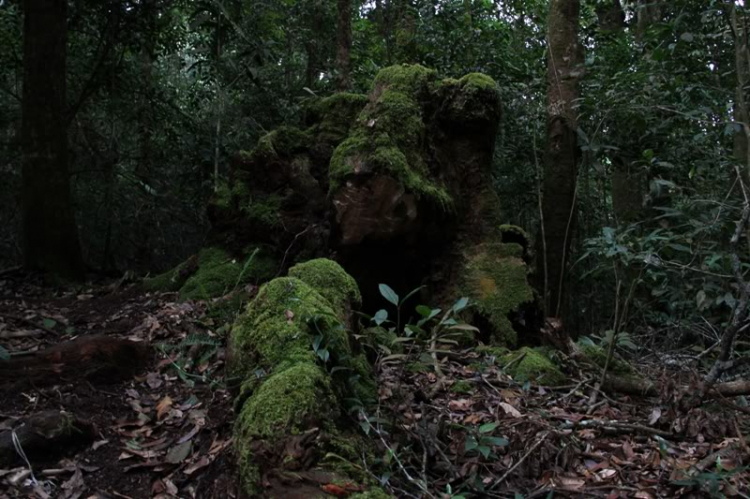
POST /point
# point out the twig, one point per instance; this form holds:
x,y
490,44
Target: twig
x,y
31,323
520,461
286,253
420,485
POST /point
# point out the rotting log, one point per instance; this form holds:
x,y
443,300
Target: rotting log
x,y
647,388
97,358
44,435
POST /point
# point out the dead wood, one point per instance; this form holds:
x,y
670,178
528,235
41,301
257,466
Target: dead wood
x,y
643,387
44,435
97,358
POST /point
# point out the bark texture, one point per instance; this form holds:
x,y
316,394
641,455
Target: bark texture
x,y
344,45
564,71
50,234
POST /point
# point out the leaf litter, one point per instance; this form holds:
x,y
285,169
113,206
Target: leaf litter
x,y
165,433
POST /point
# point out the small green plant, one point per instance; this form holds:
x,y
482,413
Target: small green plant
x,y
481,440
204,347
4,354
712,481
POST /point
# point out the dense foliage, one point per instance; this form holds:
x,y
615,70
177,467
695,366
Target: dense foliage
x,y
163,92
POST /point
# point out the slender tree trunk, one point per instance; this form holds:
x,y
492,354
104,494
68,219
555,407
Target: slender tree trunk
x,y
344,45
647,13
564,70
742,68
50,234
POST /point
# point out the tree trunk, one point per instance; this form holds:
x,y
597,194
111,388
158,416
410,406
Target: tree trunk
x,y
648,12
564,70
50,234
344,45
742,68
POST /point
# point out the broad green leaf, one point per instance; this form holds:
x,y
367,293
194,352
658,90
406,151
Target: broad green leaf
x,y
49,323
488,427
388,294
460,304
380,316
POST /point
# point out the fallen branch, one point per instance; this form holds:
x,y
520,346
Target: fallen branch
x,y
646,388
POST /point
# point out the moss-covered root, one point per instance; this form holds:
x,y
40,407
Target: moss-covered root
x,y
330,280
213,273
279,326
291,399
530,364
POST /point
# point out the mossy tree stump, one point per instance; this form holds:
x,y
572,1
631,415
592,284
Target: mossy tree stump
x,y
299,371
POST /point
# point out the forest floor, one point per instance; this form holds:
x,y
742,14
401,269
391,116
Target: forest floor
x,y
474,432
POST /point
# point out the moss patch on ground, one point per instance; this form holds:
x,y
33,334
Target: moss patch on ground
x,y
598,356
219,273
534,366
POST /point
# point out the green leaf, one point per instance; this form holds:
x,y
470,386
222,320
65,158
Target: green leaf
x,y
4,354
423,310
388,294
380,316
488,427
484,450
496,441
460,304
471,444
49,323
316,342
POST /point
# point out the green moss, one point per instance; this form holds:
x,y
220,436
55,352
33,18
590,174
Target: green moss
x,y
282,142
398,115
411,79
167,282
461,387
598,356
335,115
492,351
222,196
477,81
330,280
218,273
498,285
373,493
362,384
277,327
533,367
357,154
287,402
264,211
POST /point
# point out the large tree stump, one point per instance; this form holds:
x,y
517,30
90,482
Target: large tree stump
x,y
396,187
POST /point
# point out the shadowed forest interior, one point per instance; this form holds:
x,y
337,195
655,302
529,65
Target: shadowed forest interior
x,y
382,248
